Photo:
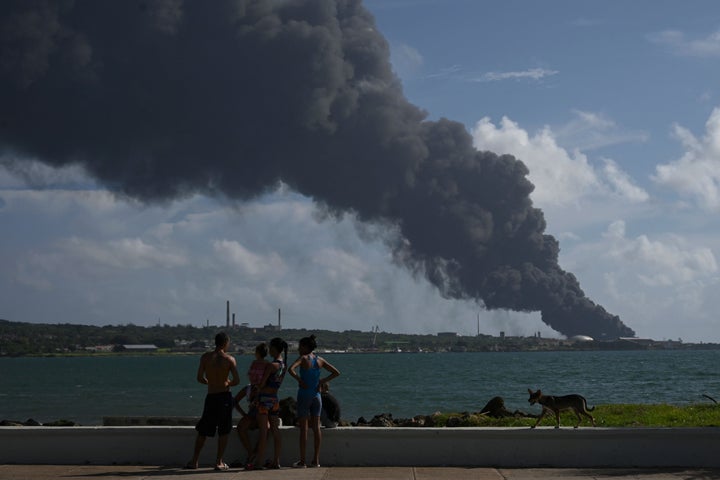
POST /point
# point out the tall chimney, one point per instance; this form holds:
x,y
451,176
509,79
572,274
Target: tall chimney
x,y
233,324
227,318
279,322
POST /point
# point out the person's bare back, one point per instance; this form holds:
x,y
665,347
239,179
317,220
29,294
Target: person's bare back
x,y
215,367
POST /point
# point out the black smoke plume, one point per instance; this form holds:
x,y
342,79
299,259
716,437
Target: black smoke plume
x,y
163,99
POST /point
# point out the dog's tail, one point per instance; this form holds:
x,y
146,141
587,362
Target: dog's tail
x,y
586,405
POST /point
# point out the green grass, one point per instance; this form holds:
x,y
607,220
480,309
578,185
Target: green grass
x,y
616,415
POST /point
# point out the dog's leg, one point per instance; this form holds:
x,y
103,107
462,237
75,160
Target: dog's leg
x,y
542,414
557,418
592,419
579,418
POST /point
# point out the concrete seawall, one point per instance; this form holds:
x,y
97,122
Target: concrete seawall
x,y
491,447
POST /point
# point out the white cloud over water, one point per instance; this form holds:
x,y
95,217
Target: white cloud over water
x,y
696,174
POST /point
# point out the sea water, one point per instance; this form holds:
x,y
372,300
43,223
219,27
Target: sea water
x,y
85,389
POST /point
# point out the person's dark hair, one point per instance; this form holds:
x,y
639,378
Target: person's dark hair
x,y
262,349
221,339
281,346
309,342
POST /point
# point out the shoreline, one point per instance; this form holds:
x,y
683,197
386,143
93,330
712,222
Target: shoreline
x,y
493,415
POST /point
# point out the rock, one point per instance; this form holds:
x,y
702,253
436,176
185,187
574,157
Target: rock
x,y
453,422
429,421
31,423
60,423
406,422
11,423
496,408
129,421
382,420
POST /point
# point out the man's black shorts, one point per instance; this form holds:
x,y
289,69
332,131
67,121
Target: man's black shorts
x,y
217,414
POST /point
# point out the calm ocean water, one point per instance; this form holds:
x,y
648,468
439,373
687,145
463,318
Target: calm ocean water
x,y
84,389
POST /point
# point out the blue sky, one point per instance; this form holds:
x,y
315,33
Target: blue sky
x,y
613,106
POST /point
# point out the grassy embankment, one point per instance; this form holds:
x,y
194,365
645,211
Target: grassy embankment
x,y
616,415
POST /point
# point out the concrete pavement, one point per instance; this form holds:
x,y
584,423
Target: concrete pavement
x,y
118,472
380,447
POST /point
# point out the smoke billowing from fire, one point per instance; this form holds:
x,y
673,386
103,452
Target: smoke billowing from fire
x,y
163,99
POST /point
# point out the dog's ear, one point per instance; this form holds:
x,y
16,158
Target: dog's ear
x,y
529,391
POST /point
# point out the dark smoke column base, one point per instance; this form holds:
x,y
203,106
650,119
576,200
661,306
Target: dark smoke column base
x,y
586,318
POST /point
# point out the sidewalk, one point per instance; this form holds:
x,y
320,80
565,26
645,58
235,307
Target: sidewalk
x,y
118,472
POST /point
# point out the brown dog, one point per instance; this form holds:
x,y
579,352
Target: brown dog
x,y
549,403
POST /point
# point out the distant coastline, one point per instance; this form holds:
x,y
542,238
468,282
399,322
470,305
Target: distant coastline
x,y
36,339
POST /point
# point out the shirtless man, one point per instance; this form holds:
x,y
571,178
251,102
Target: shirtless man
x,y
214,369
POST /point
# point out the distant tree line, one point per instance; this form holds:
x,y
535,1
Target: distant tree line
x,y
18,338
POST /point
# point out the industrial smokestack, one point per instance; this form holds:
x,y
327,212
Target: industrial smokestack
x,y
161,100
279,320
227,314
233,320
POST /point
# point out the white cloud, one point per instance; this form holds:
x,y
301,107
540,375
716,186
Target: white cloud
x,y
56,202
660,263
696,173
560,177
622,184
83,265
123,253
19,173
679,44
89,252
591,130
405,59
532,74
247,262
662,285
447,72
348,276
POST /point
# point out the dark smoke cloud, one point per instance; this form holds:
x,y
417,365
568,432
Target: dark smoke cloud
x,y
163,99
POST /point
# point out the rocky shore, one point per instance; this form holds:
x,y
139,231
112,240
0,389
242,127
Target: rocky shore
x,y
495,408
34,423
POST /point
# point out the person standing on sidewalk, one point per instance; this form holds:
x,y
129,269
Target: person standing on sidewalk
x,y
268,408
215,368
309,403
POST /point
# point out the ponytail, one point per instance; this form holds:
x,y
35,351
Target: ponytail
x,y
309,343
280,345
